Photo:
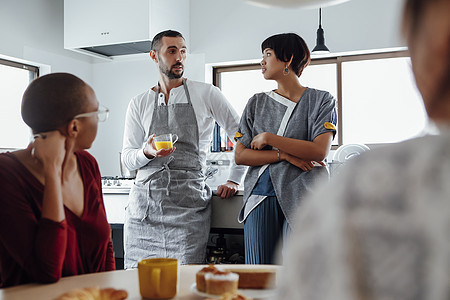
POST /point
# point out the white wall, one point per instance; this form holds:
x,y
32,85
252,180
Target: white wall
x,y
33,31
233,30
115,84
220,31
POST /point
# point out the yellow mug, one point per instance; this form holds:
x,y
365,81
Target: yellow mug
x,y
165,141
158,278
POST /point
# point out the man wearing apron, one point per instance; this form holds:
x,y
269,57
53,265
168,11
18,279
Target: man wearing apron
x,y
168,213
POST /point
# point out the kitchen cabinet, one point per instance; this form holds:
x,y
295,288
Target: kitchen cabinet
x,y
226,244
115,203
117,239
110,28
225,212
115,207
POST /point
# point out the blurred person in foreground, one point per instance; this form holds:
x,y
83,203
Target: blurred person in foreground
x,y
381,229
52,217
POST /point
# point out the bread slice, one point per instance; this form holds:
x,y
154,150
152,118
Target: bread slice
x,y
255,278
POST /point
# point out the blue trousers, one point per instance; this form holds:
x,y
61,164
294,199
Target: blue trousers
x,y
264,228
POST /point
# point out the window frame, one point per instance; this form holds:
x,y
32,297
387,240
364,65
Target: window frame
x,y
24,66
19,65
337,59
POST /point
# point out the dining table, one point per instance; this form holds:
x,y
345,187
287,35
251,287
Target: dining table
x,y
120,279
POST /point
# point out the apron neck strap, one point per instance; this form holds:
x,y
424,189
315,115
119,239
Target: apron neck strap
x,y
186,91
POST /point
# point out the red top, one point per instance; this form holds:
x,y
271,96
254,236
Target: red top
x,y
35,249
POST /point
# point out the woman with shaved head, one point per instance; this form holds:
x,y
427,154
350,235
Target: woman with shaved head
x,y
52,218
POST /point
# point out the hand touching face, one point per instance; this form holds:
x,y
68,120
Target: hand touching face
x,y
50,148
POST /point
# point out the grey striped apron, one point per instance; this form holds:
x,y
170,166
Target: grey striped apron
x,y
168,212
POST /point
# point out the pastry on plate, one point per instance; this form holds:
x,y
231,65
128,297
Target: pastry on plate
x,y
255,278
200,277
94,293
219,282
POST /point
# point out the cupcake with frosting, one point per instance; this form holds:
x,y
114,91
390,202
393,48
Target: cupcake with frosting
x,y
220,282
200,277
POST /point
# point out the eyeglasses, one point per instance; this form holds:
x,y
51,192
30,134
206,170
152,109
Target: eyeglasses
x,y
102,114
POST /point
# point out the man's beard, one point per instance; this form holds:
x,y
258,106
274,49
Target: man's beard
x,y
168,72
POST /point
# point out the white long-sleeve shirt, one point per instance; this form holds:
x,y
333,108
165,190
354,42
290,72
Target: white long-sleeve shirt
x,y
209,105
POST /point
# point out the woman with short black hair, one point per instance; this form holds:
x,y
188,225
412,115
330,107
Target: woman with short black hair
x,y
284,136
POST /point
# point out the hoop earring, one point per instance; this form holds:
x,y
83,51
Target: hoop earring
x,y
286,71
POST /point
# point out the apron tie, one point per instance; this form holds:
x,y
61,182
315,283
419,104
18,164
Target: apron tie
x,y
166,168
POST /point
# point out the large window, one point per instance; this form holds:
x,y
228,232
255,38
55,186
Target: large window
x,y
378,102
14,79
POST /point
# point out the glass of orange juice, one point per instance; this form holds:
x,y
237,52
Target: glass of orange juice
x,y
165,141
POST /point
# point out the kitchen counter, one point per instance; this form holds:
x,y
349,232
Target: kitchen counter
x,y
224,211
126,190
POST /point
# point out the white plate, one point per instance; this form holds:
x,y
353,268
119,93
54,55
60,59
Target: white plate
x,y
346,152
246,292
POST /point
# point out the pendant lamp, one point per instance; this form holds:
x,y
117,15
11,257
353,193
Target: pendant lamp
x,y
295,3
320,47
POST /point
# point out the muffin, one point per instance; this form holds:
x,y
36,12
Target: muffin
x,y
200,277
218,282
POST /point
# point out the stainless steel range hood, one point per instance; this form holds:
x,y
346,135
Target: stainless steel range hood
x,y
111,29
118,49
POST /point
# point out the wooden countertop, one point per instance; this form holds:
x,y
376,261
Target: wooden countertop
x,y
122,279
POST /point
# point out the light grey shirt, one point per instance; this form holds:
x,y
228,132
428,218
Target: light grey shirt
x,y
380,230
304,120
